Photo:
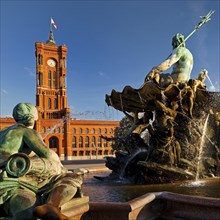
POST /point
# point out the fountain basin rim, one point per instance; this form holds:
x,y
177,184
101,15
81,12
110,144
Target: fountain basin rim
x,y
154,205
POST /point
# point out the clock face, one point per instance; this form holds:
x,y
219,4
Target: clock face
x,y
51,63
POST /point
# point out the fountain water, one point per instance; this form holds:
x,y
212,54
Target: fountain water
x,y
163,98
200,153
212,86
62,121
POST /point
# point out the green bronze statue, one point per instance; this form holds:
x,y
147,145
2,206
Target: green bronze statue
x,y
182,61
33,182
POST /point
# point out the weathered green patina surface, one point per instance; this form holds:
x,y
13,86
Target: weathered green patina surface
x,y
33,182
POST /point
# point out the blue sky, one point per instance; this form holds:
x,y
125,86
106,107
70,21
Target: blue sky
x,y
111,44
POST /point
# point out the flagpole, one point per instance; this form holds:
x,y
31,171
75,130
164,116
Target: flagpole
x,y
50,25
51,38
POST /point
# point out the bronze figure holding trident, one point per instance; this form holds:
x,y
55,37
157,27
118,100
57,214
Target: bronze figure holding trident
x,y
181,59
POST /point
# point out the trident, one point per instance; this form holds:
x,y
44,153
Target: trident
x,y
205,19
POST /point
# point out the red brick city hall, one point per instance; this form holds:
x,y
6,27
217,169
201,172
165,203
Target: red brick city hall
x,y
68,137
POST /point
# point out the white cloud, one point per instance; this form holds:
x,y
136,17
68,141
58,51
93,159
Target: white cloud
x,y
29,71
4,92
101,74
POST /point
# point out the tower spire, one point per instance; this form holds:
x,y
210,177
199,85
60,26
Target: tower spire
x,y
51,38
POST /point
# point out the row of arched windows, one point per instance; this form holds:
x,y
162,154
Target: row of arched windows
x,y
54,143
92,131
54,129
80,142
57,129
92,153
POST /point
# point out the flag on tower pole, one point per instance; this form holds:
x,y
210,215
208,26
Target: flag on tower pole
x,y
53,23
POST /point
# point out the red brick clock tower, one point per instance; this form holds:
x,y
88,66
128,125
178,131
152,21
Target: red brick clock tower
x,y
51,96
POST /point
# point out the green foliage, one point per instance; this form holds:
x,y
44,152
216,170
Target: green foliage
x,y
120,132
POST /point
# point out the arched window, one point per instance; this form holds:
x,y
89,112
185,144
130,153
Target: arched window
x,y
64,62
86,130
43,130
55,103
49,79
100,152
93,142
99,142
80,142
48,130
58,130
39,79
74,131
74,142
53,142
105,143
93,131
49,103
80,131
87,141
110,143
39,59
111,131
62,81
99,131
54,80
105,131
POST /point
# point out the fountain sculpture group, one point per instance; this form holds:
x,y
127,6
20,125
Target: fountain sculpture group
x,y
173,131
166,141
168,115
